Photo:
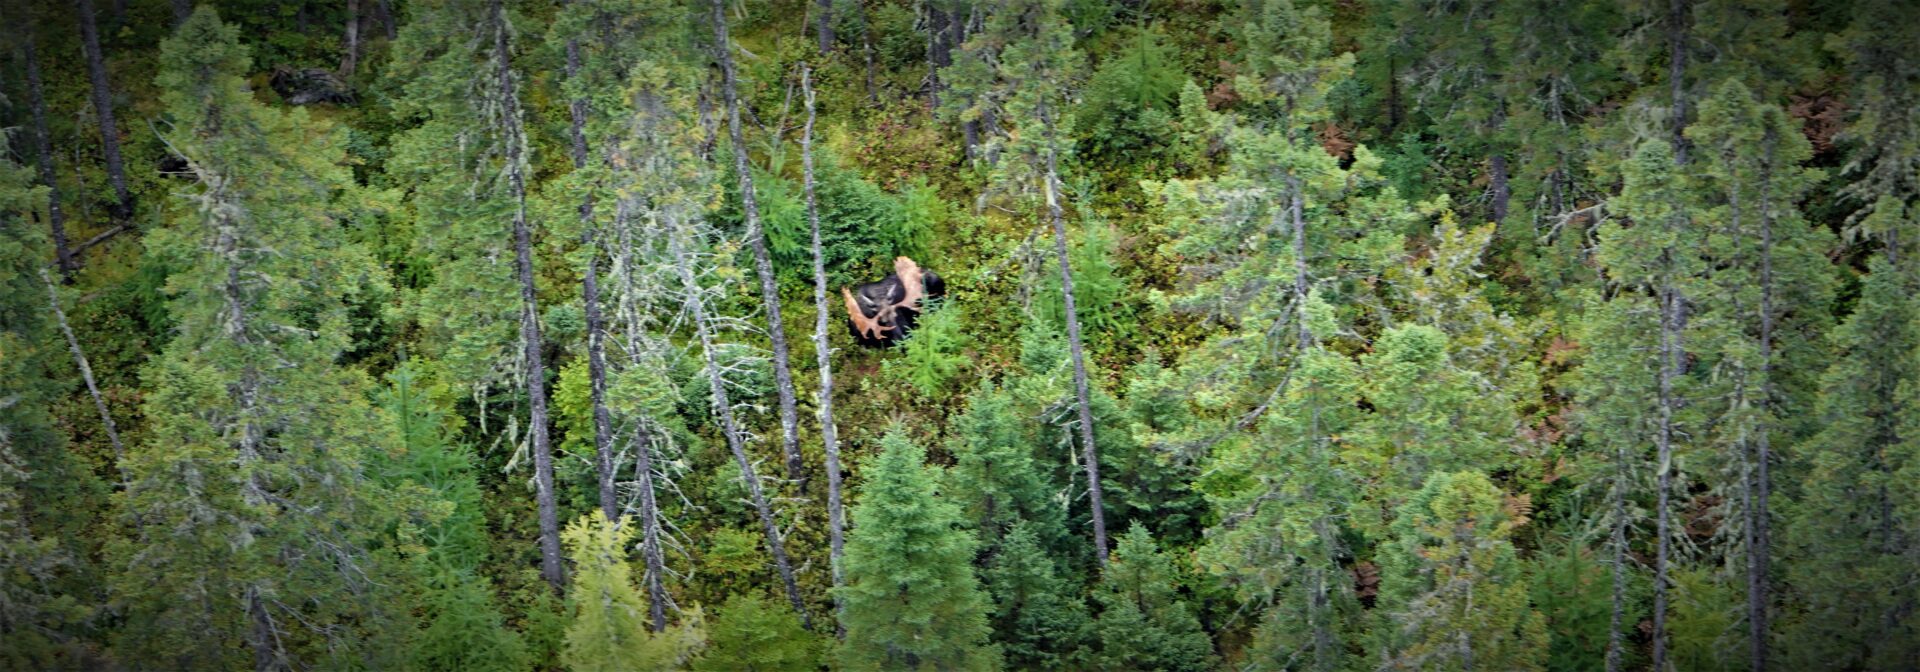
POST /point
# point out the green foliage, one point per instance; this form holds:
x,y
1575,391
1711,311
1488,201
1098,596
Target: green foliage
x,y
1145,624
932,355
753,632
1130,109
912,601
1573,590
609,629
1038,617
1454,592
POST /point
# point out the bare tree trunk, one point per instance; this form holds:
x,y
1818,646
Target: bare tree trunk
x,y
351,60
103,108
43,147
866,47
182,10
1091,456
1618,540
391,21
723,406
762,262
590,295
824,21
550,565
650,533
1669,365
1676,75
1760,542
86,374
1497,167
823,354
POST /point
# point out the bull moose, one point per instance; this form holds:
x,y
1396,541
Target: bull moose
x,y
881,313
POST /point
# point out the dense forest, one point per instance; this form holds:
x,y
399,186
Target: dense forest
x,y
1209,335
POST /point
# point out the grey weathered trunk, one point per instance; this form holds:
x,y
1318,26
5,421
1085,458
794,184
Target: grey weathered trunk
x,y
1760,538
762,261
86,375
1669,350
824,24
515,138
103,109
43,148
723,407
1618,540
590,296
1502,192
823,354
350,61
1676,75
389,20
1083,397
182,9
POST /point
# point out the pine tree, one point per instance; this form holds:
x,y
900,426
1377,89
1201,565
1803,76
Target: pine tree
x,y
912,602
249,512
609,628
1144,623
1454,594
995,478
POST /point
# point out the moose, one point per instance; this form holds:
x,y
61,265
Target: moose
x,y
881,313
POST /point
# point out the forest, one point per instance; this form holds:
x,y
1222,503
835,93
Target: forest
x,y
611,335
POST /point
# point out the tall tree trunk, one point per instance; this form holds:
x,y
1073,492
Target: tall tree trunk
x,y
182,10
550,566
103,108
86,375
590,295
823,354
1676,75
1091,456
1618,540
762,262
1497,167
650,533
866,47
389,20
1669,364
43,148
350,61
723,406
1760,541
824,24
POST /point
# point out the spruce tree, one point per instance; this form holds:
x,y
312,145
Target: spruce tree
x,y
248,509
912,602
1039,618
1144,622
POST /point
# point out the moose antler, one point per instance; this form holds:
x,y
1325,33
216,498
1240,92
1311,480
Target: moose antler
x,y
867,326
911,280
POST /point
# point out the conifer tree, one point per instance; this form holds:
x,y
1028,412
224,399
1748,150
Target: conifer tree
x,y
1845,545
995,480
752,632
466,92
1039,618
1655,257
1454,594
1029,84
1765,258
34,615
609,628
912,602
249,512
1144,624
